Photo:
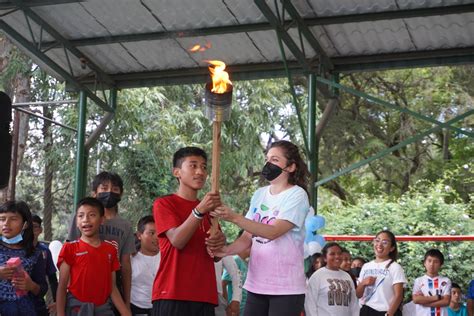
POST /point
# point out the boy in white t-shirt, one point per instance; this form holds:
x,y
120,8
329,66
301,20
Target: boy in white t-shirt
x,y
432,292
145,264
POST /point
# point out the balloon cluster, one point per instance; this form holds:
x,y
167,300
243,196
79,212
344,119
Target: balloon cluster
x,y
313,243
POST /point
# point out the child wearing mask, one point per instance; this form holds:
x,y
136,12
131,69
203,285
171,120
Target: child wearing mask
x,y
274,232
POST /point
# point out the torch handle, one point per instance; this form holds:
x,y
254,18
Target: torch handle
x,y
216,162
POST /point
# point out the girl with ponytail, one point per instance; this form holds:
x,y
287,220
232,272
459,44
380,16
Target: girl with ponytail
x,y
381,280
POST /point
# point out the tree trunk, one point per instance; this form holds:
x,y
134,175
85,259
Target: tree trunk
x,y
446,153
18,87
48,175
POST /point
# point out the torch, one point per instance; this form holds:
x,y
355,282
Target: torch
x,y
218,97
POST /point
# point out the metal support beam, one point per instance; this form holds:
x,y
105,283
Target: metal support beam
x,y
7,5
387,151
108,117
64,42
255,27
45,118
42,103
55,67
312,142
303,28
422,58
81,162
286,38
391,106
283,36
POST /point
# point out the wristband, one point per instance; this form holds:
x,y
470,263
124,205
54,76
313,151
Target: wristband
x,y
197,214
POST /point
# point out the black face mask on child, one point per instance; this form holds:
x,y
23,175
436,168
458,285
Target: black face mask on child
x,y
271,171
356,271
108,199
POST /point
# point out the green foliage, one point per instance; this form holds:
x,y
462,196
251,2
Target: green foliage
x,y
425,210
412,191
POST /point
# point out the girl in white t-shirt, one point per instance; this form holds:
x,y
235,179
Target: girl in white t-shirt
x,y
274,232
330,289
381,281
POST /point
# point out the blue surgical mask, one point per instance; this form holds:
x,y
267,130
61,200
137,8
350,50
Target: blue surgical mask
x,y
14,240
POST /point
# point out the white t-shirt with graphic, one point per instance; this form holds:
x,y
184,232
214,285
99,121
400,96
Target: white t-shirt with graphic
x,y
379,295
331,293
276,267
432,287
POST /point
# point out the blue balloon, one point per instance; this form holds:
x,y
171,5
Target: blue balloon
x,y
309,237
320,222
314,223
320,240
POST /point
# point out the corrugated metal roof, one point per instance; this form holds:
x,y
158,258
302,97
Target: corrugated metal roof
x,y
347,30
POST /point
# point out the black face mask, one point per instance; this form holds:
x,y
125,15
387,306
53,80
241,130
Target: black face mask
x,y
356,271
271,171
108,199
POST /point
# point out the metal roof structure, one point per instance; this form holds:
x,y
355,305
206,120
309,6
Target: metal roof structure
x,y
99,45
133,43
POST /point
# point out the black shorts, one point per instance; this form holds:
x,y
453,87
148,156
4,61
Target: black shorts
x,y
273,305
184,308
136,311
369,311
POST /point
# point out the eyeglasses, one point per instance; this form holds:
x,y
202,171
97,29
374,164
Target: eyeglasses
x,y
384,242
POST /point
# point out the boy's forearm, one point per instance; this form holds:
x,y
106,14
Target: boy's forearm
x,y
440,303
118,301
423,300
126,278
180,235
61,300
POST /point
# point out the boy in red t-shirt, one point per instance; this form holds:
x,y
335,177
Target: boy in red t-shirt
x,y
185,283
87,267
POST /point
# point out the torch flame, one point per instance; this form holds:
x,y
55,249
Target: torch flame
x,y
195,48
220,77
200,48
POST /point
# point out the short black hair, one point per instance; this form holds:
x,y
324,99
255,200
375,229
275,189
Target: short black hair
x,y
344,250
36,219
90,201
360,259
456,286
434,253
106,176
143,221
184,152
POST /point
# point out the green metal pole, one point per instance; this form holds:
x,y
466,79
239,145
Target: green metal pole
x,y
336,84
387,151
312,142
79,184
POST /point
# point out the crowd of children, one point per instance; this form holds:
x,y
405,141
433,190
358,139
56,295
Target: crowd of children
x,y
177,267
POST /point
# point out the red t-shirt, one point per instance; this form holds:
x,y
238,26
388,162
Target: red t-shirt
x,y
186,274
91,270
